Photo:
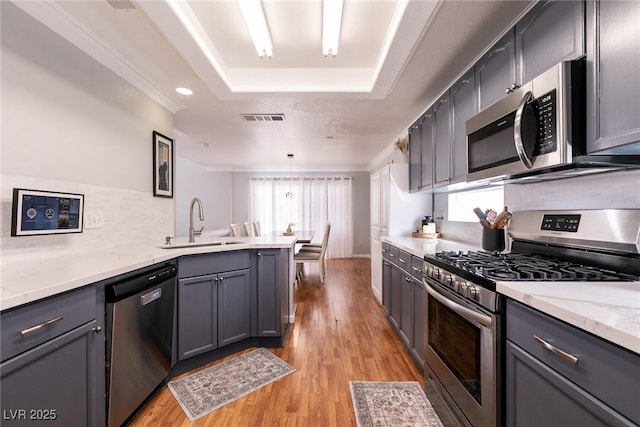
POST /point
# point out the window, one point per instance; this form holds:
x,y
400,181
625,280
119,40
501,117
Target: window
x,y
315,201
461,204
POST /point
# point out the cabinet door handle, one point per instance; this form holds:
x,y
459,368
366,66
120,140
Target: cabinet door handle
x,y
403,261
42,325
566,356
417,270
407,279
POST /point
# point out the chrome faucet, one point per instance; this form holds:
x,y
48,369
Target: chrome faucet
x,y
192,232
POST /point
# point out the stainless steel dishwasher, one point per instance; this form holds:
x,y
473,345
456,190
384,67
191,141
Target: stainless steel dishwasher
x,y
140,318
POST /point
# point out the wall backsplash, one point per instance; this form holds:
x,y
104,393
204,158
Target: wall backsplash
x,y
618,190
129,216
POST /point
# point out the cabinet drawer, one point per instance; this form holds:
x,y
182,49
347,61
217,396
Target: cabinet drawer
x,y
393,254
417,267
610,373
404,260
26,327
385,250
199,265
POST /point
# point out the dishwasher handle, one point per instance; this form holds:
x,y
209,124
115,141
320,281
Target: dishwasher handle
x,y
135,284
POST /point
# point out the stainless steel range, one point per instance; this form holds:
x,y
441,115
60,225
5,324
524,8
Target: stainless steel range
x,y
464,312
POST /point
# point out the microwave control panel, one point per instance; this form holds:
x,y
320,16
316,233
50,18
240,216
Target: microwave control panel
x,y
567,223
546,109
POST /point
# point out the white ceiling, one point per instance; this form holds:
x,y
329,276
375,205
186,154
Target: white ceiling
x,y
341,113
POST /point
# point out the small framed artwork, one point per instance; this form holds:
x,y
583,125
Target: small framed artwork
x,y
162,165
46,212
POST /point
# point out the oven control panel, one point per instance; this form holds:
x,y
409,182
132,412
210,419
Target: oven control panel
x,y
554,222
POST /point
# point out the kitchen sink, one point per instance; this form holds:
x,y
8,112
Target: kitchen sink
x,y
197,244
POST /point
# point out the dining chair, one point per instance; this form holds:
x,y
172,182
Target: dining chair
x,y
256,228
318,246
236,230
248,226
312,254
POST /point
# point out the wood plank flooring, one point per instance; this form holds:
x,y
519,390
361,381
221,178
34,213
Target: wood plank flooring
x,y
340,334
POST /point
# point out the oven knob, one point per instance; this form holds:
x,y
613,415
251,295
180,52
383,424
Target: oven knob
x,y
457,285
462,287
436,273
429,271
472,292
446,280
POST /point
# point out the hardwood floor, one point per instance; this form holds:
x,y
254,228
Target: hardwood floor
x,y
340,334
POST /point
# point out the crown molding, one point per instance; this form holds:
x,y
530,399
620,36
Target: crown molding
x,y
53,16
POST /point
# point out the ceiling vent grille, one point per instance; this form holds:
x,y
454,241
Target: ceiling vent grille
x,y
121,4
263,117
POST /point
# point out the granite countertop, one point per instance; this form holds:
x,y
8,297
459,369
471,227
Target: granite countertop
x,y
25,279
608,310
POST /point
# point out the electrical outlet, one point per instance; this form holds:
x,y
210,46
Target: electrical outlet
x,y
93,220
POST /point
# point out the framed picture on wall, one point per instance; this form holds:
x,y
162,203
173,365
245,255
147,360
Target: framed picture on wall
x,y
162,165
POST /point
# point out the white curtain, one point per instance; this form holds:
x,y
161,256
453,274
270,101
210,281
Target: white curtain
x,y
315,202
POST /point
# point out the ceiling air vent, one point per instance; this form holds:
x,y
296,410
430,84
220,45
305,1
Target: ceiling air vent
x,y
121,4
263,117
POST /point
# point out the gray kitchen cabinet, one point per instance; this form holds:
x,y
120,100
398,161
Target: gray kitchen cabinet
x,y
406,324
50,374
426,150
551,32
234,306
214,306
386,279
269,308
592,383
613,86
442,141
496,71
463,106
414,156
396,297
417,345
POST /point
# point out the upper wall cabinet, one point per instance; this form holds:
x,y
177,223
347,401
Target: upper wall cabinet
x,y
414,156
442,141
463,107
613,82
426,150
552,32
496,71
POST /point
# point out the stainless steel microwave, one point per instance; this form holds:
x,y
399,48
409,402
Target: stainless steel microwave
x,y
539,125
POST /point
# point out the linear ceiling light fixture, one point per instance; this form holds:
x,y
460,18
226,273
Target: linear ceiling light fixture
x,y
256,22
331,21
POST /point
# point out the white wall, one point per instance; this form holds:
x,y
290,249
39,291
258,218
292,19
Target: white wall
x,y
213,189
70,124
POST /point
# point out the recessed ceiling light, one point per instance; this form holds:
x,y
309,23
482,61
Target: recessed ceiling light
x,y
184,91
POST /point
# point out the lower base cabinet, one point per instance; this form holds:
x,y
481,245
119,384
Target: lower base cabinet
x,y
214,301
50,375
544,388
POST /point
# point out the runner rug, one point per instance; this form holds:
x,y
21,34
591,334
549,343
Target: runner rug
x,y
207,390
392,404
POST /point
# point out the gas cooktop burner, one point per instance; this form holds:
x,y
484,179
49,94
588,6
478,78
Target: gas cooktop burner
x,y
509,267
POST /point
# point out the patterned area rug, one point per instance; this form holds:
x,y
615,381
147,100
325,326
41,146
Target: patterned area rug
x,y
214,387
392,404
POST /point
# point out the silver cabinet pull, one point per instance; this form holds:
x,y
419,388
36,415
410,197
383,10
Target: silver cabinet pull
x,y
566,356
418,270
97,329
43,325
402,261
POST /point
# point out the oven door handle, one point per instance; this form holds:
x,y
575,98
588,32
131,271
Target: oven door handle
x,y
463,311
